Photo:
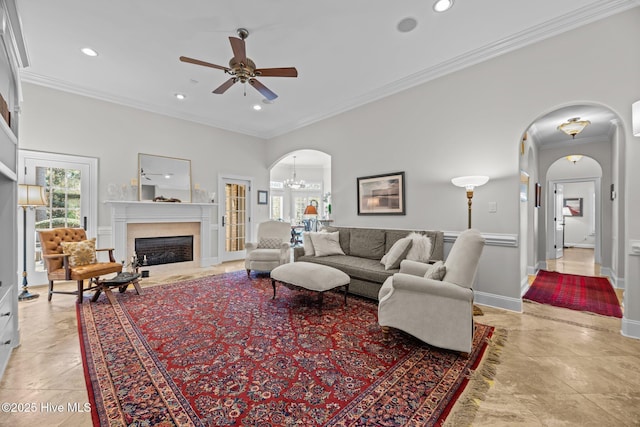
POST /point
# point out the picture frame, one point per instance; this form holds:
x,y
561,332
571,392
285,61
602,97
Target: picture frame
x,y
263,197
538,197
574,205
381,194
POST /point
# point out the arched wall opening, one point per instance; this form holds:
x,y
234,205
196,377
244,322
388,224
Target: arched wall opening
x,y
601,143
311,169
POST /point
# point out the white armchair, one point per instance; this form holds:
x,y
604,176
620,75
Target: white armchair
x,y
437,312
271,249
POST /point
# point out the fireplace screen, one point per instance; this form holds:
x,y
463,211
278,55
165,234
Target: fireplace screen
x,y
164,250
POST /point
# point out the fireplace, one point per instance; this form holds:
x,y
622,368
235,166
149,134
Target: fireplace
x,y
164,250
131,220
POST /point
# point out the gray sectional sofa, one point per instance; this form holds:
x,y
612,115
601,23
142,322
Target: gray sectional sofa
x,y
364,248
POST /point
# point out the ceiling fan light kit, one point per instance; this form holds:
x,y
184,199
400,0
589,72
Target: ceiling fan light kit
x,y
243,69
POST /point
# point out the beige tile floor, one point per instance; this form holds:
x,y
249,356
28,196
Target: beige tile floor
x,y
559,367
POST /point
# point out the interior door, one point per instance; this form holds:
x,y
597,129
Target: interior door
x,y
558,219
71,189
235,220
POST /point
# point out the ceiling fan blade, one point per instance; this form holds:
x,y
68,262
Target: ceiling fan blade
x,y
224,86
277,72
263,89
239,49
205,64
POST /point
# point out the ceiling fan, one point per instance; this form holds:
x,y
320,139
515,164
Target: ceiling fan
x,y
146,175
243,69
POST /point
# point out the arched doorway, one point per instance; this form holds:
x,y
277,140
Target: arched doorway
x,y
574,216
600,142
311,169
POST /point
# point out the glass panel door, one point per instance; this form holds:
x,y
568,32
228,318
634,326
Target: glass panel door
x,y
69,182
236,219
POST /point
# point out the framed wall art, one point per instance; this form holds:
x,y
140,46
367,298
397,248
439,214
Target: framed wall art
x,y
538,199
263,197
381,194
574,205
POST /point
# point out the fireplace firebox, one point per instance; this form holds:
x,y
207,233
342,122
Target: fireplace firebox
x,y
164,250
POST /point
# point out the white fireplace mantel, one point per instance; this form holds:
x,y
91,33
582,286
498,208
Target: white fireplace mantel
x,y
127,212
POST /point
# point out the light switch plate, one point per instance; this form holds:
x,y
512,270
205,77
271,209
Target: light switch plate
x,y
493,207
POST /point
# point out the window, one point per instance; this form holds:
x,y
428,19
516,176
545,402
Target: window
x,y
276,207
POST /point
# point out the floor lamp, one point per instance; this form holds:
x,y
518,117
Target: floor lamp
x,y
29,196
470,182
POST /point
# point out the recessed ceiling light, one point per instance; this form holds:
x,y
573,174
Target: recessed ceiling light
x,y
88,51
180,96
257,107
406,25
442,5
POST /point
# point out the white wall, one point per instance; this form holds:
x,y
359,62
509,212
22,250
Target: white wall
x,y
471,122
61,122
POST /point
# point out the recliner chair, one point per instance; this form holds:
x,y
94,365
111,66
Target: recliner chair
x,y
437,312
272,248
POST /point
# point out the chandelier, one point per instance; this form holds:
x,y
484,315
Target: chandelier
x,y
294,183
574,126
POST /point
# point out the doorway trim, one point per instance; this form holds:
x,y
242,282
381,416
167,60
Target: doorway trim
x,y
222,210
549,226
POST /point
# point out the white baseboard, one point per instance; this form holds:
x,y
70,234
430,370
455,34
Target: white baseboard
x,y
580,245
630,328
524,286
498,301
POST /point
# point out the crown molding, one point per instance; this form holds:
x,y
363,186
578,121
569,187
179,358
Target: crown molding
x,y
594,12
65,86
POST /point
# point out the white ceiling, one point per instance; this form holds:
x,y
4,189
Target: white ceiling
x,y
347,53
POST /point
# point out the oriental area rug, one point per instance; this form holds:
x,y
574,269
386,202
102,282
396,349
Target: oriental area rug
x,y
219,351
582,293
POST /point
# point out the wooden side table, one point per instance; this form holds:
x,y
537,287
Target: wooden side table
x,y
122,281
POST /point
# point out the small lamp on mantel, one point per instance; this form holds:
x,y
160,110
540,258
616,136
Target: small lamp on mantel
x,y
29,196
470,182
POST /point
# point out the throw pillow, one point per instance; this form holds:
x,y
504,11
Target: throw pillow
x,y
325,244
80,253
436,271
420,248
391,260
269,243
307,244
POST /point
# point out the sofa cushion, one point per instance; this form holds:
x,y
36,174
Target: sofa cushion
x,y
356,267
420,249
436,271
345,236
367,243
325,244
393,257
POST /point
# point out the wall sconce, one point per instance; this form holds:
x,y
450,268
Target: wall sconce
x,y
469,182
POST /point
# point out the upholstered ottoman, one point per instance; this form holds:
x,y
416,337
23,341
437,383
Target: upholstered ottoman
x,y
314,277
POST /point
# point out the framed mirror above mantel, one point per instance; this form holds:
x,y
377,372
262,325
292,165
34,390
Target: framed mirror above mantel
x,y
164,177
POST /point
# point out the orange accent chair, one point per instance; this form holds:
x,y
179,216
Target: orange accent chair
x,y
58,264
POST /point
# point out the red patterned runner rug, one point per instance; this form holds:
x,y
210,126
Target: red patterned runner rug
x,y
219,351
582,293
